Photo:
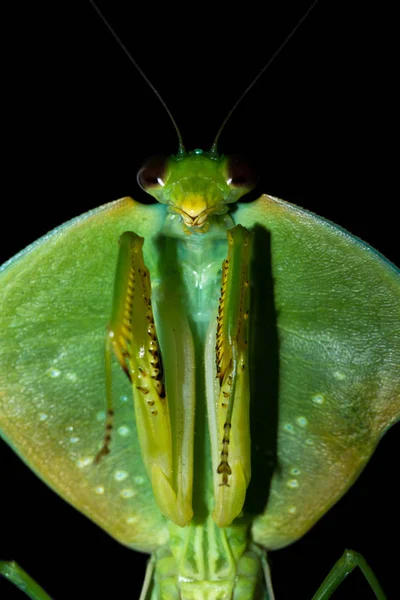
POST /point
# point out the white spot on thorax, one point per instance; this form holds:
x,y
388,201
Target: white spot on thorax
x,y
123,430
292,483
54,372
128,493
318,399
74,440
302,421
99,489
138,479
339,375
43,417
120,475
84,462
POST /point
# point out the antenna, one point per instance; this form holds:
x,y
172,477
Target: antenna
x,y
257,77
181,149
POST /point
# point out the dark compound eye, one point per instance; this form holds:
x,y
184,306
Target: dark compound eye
x,y
152,173
241,173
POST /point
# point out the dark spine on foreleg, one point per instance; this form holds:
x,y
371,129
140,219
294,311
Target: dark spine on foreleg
x,y
223,467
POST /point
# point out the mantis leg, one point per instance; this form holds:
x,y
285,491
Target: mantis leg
x,y
267,576
16,575
147,588
133,339
343,567
230,413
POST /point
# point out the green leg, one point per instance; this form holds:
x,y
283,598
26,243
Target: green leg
x,y
148,582
345,565
267,576
13,572
165,433
232,444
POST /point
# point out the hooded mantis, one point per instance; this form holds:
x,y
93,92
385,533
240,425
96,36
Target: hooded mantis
x,y
282,194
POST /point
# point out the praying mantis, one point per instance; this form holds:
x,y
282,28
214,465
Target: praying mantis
x,y
350,227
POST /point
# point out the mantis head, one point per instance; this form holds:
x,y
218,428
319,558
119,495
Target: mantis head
x,y
197,184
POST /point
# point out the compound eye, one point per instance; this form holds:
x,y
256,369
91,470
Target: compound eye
x,y
152,173
241,173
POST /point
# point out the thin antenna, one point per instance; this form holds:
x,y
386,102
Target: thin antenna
x,y
257,77
181,149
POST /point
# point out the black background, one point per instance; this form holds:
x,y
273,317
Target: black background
x,y
78,122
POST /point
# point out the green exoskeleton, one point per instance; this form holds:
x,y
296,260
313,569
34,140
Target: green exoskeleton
x,y
188,324
247,372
